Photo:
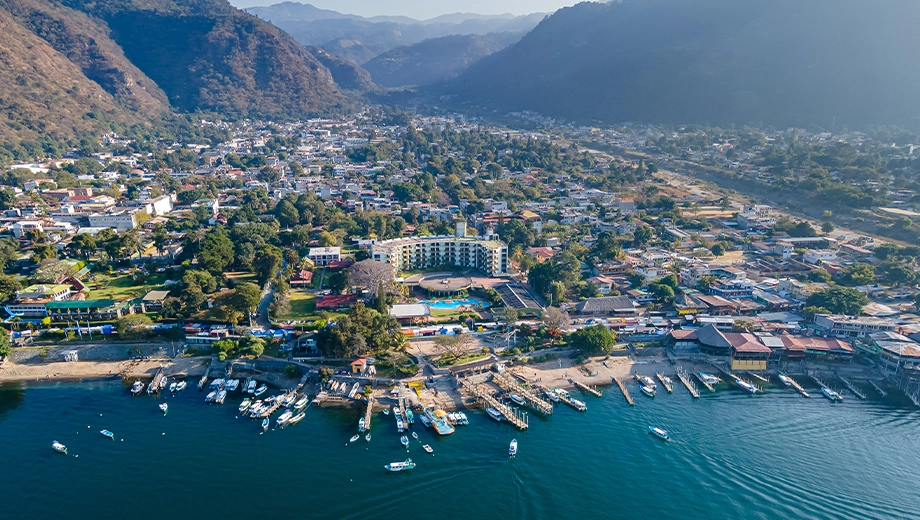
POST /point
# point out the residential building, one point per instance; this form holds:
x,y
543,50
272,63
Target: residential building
x,y
120,222
852,326
323,256
490,256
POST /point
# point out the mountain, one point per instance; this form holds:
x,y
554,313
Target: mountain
x,y
434,60
344,72
360,39
778,62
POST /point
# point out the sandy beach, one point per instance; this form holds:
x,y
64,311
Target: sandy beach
x,y
100,369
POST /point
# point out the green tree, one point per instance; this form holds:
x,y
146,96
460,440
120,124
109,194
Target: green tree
x,y
216,252
8,287
9,251
267,261
287,213
827,227
859,274
820,275
595,340
839,300
339,280
133,326
718,250
661,291
5,347
643,235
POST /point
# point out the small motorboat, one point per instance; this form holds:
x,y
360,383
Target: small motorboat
x,y
164,408
647,390
301,403
245,405
399,425
400,466
285,417
709,378
512,449
830,394
495,414
410,417
265,423
659,432
297,418
180,386
108,434
354,438
646,381
425,420
552,396
361,425
427,448
463,419
517,399
414,435
261,390
785,379
579,405
172,387
747,387
137,388
367,437
251,387
58,447
211,396
386,411
404,440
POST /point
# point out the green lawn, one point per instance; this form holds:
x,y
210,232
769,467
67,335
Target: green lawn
x,y
122,287
303,306
242,277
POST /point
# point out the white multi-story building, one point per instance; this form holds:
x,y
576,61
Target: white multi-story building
x,y
120,222
481,253
323,256
853,326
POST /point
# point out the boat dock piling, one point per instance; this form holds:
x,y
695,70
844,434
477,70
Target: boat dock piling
x,y
368,412
586,388
623,389
758,377
685,379
853,388
705,383
154,386
664,382
519,421
877,388
508,384
798,387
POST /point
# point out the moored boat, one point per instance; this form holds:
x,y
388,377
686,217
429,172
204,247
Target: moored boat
x,y
386,411
517,399
172,387
58,447
647,381
399,425
438,420
361,425
251,386
245,405
830,394
297,418
747,387
265,423
137,388
414,435
108,434
659,432
709,378
579,405
425,420
495,414
354,438
410,417
301,403
427,448
261,390
284,418
400,466
785,379
164,408
211,396
221,397
367,437
180,386
512,449
551,396
647,391
463,419
404,441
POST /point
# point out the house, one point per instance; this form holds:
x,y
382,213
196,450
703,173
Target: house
x,y
97,310
153,301
830,348
302,278
814,256
717,305
852,326
747,352
410,313
540,253
606,306
323,256
731,289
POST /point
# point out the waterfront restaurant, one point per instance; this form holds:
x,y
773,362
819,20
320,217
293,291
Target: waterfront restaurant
x,y
747,352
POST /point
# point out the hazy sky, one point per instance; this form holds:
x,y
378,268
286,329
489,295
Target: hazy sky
x,y
422,9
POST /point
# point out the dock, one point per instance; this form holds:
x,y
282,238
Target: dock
x,y
367,413
664,382
852,388
758,377
320,397
623,389
480,392
705,383
154,386
530,397
798,387
685,379
276,405
821,383
585,388
878,389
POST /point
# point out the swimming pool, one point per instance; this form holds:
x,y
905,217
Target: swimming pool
x,y
455,303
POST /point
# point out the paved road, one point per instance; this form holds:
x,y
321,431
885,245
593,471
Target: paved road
x,y
268,294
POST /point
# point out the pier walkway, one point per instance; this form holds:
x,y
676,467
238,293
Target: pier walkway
x,y
685,379
758,377
479,392
705,383
852,388
530,397
367,413
154,386
664,382
586,388
623,389
276,405
798,387
878,388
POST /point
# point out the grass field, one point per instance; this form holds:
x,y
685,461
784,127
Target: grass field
x,y
239,278
303,307
123,287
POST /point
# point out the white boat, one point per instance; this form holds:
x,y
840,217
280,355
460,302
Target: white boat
x,y
410,417
495,414
245,405
284,418
414,435
361,425
563,394
354,438
647,391
400,427
233,384
464,419
512,449
647,381
108,434
137,388
301,403
261,390
265,423
425,420
747,387
164,407
297,418
180,386
400,466
709,378
659,432
396,411
211,396
404,441
551,396
367,437
217,383
288,400
579,405
251,386
427,448
517,399
163,383
785,379
668,380
58,447
221,397
172,387
830,394
386,411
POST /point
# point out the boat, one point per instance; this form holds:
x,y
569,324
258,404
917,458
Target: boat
x,y
245,405
180,386
438,420
463,419
284,418
265,423
427,448
164,407
211,396
425,420
217,383
396,411
747,387
297,418
361,425
163,383
386,411
251,386
668,380
551,396
288,400
400,466
579,405
647,381
830,394
367,437
512,450
301,403
137,388
561,393
221,397
172,387
659,432
404,441
647,391
414,435
709,378
354,438
785,379
259,391
400,427
495,414
58,447
517,399
410,417
108,434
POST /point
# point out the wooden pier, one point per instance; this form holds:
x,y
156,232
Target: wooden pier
x,y
623,389
758,377
367,413
276,405
821,383
878,389
685,379
154,386
664,382
852,388
798,387
530,397
511,416
705,383
585,388
320,397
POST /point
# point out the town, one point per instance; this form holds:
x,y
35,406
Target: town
x,y
421,248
